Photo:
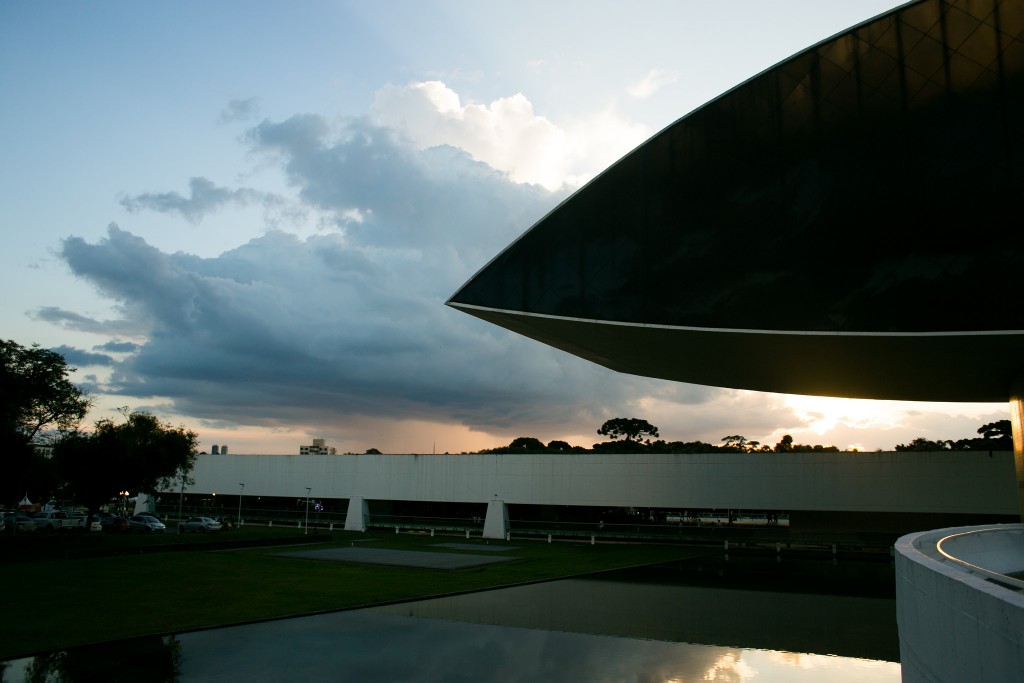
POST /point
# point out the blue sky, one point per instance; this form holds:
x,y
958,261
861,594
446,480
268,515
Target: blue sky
x,y
246,216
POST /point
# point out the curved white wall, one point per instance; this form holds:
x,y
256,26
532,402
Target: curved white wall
x,y
978,483
956,625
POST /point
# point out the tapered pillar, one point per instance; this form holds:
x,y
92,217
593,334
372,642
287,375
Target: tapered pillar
x,y
1017,420
355,520
496,522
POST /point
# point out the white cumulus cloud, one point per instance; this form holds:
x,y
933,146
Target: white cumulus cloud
x,y
507,134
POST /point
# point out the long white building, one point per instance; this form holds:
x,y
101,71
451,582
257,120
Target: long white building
x,y
881,491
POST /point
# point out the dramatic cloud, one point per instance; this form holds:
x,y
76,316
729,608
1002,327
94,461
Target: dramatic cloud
x,y
204,197
117,347
344,332
70,320
284,329
506,134
78,358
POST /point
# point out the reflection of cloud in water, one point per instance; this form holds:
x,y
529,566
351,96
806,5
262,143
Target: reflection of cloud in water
x,y
799,660
366,647
773,666
729,669
565,631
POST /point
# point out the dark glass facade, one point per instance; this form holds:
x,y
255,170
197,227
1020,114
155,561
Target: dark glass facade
x,y
871,184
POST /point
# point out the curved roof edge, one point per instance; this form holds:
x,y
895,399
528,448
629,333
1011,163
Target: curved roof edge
x,y
954,366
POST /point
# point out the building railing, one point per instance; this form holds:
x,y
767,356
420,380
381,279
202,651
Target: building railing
x,y
998,577
704,527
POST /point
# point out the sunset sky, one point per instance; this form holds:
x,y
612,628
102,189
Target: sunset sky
x,y
246,216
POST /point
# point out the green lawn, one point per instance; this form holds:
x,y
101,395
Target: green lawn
x,y
50,601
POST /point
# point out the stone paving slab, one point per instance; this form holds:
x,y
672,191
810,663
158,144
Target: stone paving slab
x,y
473,546
399,558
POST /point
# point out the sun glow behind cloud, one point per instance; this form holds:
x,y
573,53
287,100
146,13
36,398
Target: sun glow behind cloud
x,y
859,423
507,134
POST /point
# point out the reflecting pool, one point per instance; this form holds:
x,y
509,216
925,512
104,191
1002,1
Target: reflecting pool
x,y
663,624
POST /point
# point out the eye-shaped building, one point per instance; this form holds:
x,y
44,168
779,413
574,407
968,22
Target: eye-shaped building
x,y
846,223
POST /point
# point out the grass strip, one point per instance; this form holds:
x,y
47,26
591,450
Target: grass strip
x,y
55,603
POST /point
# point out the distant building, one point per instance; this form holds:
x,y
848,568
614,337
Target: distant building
x,y
214,449
319,447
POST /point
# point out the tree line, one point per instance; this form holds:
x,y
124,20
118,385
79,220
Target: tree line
x,y
46,454
635,435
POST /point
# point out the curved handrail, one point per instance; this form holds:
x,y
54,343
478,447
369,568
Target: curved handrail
x,y
1001,578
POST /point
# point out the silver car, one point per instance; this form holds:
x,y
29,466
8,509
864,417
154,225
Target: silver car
x,y
206,524
145,523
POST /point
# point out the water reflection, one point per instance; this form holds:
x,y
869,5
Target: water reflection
x,y
850,626
613,628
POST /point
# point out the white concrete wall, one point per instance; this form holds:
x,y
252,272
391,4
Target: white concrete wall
x,y
956,626
881,482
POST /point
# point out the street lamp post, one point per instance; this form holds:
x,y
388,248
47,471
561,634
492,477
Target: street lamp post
x,y
181,500
305,531
240,492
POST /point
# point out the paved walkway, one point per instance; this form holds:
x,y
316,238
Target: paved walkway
x,y
400,558
474,546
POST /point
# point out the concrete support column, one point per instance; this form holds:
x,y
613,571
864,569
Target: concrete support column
x,y
1017,420
496,522
357,515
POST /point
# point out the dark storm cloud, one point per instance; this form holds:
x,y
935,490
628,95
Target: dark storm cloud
x,y
79,358
437,197
288,330
117,347
70,320
204,197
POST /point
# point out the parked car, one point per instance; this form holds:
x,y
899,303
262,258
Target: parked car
x,y
83,520
145,523
58,520
19,521
201,524
111,522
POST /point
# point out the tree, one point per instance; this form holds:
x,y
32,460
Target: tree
x,y
560,446
735,443
372,451
997,435
140,454
526,443
683,447
785,446
37,395
923,444
632,429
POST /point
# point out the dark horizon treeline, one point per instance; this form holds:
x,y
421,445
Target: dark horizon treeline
x,y
994,436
